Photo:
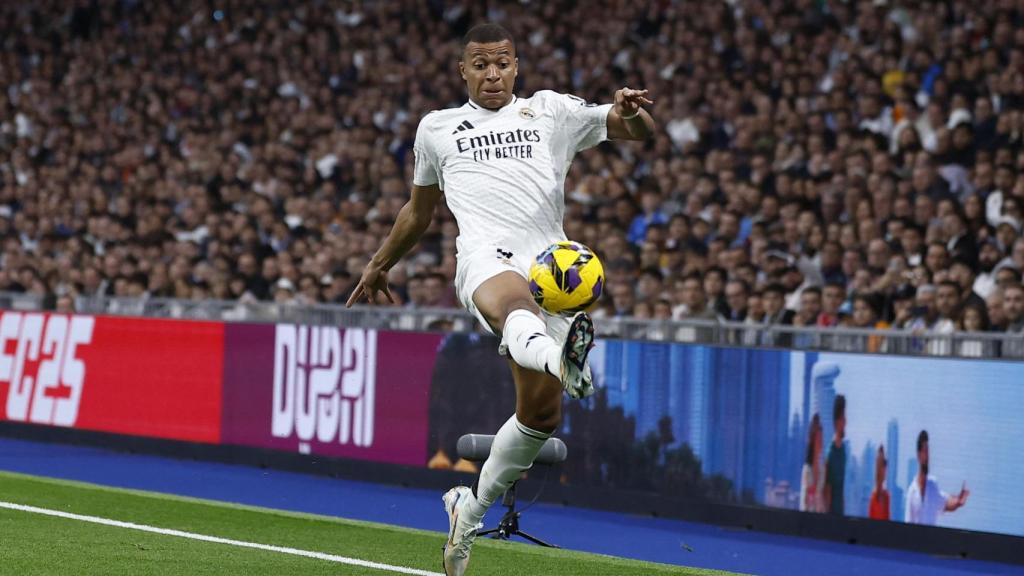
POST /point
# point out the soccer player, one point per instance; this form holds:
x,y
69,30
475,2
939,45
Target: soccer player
x,y
925,500
501,162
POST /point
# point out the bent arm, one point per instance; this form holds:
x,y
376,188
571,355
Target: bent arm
x,y
413,220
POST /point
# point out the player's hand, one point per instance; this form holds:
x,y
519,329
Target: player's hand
x,y
962,498
628,101
374,280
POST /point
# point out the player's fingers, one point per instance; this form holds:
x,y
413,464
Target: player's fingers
x,y
356,292
387,292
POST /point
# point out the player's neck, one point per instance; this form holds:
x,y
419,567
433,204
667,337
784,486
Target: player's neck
x,y
479,106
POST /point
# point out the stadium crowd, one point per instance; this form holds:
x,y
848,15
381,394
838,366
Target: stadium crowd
x,y
818,163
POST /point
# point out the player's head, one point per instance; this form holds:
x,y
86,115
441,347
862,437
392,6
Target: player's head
x,y
814,440
881,466
839,415
489,65
922,451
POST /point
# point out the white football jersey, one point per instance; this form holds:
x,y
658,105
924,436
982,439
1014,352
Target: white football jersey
x,y
503,171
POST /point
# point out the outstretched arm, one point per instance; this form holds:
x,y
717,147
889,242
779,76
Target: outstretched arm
x,y
627,120
412,221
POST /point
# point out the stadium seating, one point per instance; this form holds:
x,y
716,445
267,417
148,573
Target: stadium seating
x,y
844,163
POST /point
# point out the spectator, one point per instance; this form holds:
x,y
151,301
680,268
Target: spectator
x,y
903,307
736,292
694,303
650,203
810,307
988,258
714,290
866,316
994,307
960,243
1013,308
974,318
776,314
649,286
962,273
1007,276
832,298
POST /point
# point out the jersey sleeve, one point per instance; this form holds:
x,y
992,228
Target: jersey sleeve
x,y
937,497
427,167
586,124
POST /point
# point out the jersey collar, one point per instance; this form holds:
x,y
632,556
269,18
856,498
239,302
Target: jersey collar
x,y
475,107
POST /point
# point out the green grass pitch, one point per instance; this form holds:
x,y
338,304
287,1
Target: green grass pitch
x,y
35,544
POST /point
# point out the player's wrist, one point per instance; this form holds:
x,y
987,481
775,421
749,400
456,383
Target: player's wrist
x,y
629,116
380,264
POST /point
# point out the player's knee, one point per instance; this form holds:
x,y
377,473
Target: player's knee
x,y
542,416
542,420
519,304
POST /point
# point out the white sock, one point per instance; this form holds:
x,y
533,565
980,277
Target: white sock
x,y
528,343
512,453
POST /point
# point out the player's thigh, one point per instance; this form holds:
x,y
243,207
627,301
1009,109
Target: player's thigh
x,y
538,398
501,294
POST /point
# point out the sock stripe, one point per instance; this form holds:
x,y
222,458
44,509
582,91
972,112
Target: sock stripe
x,y
527,431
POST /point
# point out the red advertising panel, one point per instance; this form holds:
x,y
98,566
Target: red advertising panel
x,y
352,392
158,378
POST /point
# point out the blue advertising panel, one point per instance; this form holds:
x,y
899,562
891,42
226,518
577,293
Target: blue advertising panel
x,y
761,426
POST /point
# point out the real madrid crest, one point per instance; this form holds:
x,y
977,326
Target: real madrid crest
x,y
527,114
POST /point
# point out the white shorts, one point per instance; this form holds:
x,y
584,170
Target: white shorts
x,y
476,267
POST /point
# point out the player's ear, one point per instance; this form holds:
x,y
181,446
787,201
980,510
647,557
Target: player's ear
x,y
462,69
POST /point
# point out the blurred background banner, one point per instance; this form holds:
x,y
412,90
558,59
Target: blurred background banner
x,y
745,415
143,377
352,393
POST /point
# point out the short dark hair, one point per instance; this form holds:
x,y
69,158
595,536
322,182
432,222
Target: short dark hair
x,y
1016,273
950,284
922,439
487,33
653,272
836,284
963,260
870,300
839,408
716,270
775,288
742,284
812,290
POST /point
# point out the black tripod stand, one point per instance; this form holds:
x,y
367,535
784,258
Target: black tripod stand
x,y
508,526
476,448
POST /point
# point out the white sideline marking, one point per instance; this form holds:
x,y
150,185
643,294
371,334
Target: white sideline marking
x,y
218,540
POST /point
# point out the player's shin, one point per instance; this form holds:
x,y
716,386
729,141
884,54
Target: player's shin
x,y
514,449
528,343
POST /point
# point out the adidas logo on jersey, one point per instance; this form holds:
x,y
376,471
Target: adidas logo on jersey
x,y
464,126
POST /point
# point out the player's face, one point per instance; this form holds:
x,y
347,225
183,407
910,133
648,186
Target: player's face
x,y
490,72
